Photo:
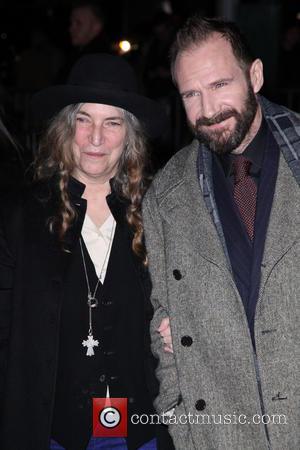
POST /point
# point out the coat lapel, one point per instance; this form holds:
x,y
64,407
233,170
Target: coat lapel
x,y
284,225
184,204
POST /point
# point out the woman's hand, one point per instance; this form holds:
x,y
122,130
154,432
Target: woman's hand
x,y
165,333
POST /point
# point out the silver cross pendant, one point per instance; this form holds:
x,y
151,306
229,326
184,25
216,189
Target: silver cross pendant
x,y
90,343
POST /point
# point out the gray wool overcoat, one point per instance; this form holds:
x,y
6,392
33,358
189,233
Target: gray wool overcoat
x,y
222,390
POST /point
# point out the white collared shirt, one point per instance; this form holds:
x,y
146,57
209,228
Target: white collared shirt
x,y
98,241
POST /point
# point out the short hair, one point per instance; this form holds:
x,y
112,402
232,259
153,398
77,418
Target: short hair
x,y
198,29
93,6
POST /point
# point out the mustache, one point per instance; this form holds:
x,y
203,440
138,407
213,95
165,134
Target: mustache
x,y
218,118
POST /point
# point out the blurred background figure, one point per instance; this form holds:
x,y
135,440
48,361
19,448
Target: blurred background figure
x,y
156,77
41,40
290,56
288,92
155,58
38,65
87,34
11,162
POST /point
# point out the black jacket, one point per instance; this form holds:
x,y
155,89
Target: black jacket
x,y
32,270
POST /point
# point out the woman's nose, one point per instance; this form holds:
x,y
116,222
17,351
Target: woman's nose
x,y
97,136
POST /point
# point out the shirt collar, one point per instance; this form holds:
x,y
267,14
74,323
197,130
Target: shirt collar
x,y
117,204
254,152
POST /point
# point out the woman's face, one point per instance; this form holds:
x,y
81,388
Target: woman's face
x,y
98,142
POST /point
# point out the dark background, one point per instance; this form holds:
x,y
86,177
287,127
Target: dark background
x,y
266,23
263,21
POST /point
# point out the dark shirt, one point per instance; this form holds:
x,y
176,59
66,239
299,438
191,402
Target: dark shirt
x,y
245,255
254,152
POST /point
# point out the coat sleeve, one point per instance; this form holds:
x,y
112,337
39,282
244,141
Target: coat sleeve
x,y
166,370
169,391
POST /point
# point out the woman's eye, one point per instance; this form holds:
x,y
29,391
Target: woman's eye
x,y
81,119
113,123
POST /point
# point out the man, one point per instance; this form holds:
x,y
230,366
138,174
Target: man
x,y
87,34
87,28
222,232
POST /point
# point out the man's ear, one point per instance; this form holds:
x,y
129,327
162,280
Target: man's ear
x,y
257,75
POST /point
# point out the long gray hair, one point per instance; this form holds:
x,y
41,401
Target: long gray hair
x,y
55,158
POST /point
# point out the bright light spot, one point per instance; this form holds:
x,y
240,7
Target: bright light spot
x,y
125,46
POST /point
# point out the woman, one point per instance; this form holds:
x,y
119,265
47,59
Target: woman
x,y
73,256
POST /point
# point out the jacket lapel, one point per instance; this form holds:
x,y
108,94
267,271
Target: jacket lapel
x,y
184,208
284,224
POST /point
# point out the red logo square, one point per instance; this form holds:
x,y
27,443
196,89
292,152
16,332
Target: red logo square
x,y
109,417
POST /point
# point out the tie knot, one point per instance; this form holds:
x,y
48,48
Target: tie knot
x,y
241,167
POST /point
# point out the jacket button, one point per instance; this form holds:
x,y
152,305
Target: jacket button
x,y
107,302
109,353
186,341
200,405
102,378
113,378
177,274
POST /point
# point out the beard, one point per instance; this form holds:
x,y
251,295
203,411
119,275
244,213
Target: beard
x,y
225,141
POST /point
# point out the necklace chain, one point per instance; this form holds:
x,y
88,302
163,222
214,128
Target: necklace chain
x,y
92,300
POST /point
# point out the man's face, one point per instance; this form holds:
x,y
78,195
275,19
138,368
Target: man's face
x,y
219,98
84,26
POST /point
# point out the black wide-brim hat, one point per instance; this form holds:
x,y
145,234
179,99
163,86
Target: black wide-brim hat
x,y
105,79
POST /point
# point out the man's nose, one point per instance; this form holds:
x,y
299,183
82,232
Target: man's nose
x,y
97,136
209,106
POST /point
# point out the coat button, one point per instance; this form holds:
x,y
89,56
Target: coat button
x,y
106,302
200,405
102,378
177,274
186,341
109,353
113,378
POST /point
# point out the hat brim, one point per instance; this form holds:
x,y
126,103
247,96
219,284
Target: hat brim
x,y
48,102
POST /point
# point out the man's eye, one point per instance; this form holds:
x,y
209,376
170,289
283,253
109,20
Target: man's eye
x,y
190,94
221,84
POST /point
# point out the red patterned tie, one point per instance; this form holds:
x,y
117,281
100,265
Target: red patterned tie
x,y
244,192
